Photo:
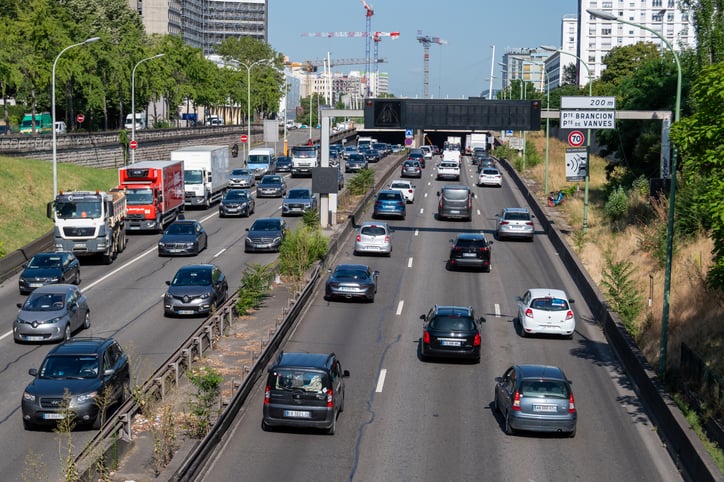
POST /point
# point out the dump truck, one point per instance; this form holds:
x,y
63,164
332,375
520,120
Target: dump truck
x,y
206,173
90,223
154,193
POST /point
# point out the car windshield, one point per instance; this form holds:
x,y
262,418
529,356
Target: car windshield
x,y
544,389
350,273
235,195
70,366
469,243
304,152
194,176
400,185
180,228
356,157
52,261
412,164
44,302
452,323
309,381
78,210
448,164
491,172
299,194
265,226
192,278
373,231
139,197
513,216
549,304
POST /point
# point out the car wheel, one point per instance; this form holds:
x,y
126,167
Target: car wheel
x,y
508,428
221,215
27,425
100,418
572,433
265,426
67,333
496,407
333,427
86,320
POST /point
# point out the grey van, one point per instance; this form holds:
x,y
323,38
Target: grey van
x,y
456,202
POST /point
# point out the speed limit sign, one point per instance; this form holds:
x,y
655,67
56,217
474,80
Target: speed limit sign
x,y
576,138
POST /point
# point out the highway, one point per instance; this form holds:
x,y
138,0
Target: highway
x,y
405,419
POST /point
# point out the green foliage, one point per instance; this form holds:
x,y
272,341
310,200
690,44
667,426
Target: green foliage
x,y
300,249
622,293
208,388
311,218
640,185
255,284
616,206
362,182
653,234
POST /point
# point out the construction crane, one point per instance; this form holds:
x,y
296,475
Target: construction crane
x,y
311,65
426,40
369,11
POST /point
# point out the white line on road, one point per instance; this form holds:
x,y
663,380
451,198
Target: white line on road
x,y
417,231
409,262
425,195
422,210
381,380
497,310
399,307
478,212
219,253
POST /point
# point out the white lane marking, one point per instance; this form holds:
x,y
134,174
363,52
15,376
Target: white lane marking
x,y
425,195
422,210
478,212
220,253
417,231
399,307
409,262
429,184
497,310
381,380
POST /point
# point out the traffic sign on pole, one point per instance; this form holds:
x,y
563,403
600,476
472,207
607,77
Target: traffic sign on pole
x,y
133,144
578,102
244,138
576,138
80,118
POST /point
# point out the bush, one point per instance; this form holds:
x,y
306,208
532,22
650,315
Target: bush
x,y
622,294
255,284
362,182
300,249
208,387
616,206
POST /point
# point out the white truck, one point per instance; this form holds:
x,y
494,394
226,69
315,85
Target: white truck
x,y
304,159
453,143
90,223
206,173
477,140
260,161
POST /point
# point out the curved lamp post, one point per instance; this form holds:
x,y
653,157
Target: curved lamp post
x,y
588,134
52,103
672,194
548,119
133,101
248,97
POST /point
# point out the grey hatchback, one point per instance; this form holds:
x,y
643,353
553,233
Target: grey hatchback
x,y
515,223
456,202
51,313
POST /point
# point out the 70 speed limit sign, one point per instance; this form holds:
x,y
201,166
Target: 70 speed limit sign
x,y
576,138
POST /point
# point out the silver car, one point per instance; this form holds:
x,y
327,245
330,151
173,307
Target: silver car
x,y
241,178
515,223
373,237
51,313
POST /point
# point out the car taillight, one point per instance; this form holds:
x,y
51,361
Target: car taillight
x,y
504,222
470,202
410,191
426,337
516,400
529,313
330,399
571,404
267,395
359,238
476,340
457,248
569,315
483,249
387,238
529,223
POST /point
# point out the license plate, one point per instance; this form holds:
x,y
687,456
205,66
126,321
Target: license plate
x,y
80,246
297,414
449,343
468,255
454,211
346,289
186,312
34,338
53,416
174,250
544,408
35,285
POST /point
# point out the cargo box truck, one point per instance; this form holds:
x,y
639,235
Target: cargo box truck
x,y
155,193
206,173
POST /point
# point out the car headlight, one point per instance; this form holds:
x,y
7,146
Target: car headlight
x,y
57,319
161,244
29,397
82,398
190,244
205,296
249,241
54,279
278,239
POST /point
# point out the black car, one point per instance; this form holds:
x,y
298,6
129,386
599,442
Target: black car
x,y
451,332
271,185
352,281
49,268
284,164
470,250
237,202
196,289
265,234
183,237
83,369
304,390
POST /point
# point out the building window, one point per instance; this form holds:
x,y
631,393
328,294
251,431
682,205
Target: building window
x,y
605,31
656,3
657,17
607,4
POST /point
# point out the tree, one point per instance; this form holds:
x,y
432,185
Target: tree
x,y
570,74
709,25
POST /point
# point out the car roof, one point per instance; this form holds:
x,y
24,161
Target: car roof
x,y
402,181
303,360
373,223
453,310
353,266
541,371
267,219
196,267
547,293
54,288
80,346
451,187
185,221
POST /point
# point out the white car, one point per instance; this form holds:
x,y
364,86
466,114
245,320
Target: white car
x,y
490,176
426,151
406,188
545,311
448,170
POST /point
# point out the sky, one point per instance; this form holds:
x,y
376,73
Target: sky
x,y
459,69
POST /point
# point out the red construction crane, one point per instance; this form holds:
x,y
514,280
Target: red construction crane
x,y
426,40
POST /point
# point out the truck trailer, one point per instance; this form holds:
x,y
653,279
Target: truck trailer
x,y
206,173
154,192
90,223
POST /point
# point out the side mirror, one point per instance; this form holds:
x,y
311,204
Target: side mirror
x,y
422,317
571,301
19,305
329,270
345,373
481,319
247,229
499,379
438,194
168,283
376,273
33,372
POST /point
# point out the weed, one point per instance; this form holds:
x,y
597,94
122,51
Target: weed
x,y
362,182
208,387
64,429
621,291
255,283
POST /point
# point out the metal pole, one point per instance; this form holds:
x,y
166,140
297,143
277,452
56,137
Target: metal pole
x,y
248,101
52,103
672,193
492,66
133,102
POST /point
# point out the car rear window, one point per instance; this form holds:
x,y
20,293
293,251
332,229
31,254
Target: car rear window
x,y
388,196
544,389
373,231
453,323
467,243
307,380
400,185
456,194
549,304
491,172
517,216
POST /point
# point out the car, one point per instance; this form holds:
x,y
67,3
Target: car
x,y
241,178
304,390
283,164
448,170
196,289
382,148
51,313
470,250
299,201
479,154
372,154
48,268
351,281
426,152
490,176
348,150
71,380
411,168
405,187
545,311
485,164
373,237
515,223
271,185
389,202
183,237
451,332
416,155
456,202
265,234
237,202
355,162
536,398
215,121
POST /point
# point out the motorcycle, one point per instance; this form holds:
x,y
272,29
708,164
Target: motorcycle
x,y
235,150
556,198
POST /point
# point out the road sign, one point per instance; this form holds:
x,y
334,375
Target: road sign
x,y
244,138
133,144
80,118
408,141
576,163
576,138
588,119
588,102
408,133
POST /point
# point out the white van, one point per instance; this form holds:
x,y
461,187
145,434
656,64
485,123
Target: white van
x,y
140,118
60,127
261,161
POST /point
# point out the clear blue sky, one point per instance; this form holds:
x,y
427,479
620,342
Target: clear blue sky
x,y
459,69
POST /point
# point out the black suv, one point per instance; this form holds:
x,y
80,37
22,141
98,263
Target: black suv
x,y
470,250
88,368
451,332
304,390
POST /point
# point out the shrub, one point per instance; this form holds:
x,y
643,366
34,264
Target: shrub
x,y
300,249
255,284
208,387
616,206
621,291
311,218
362,182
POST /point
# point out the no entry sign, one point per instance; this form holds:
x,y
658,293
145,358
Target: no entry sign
x,y
244,138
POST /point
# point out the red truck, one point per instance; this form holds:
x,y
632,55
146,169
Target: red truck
x,y
154,192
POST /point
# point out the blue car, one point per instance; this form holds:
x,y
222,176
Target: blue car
x,y
389,203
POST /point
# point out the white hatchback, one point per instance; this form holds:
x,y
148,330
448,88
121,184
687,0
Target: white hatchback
x,y
406,188
545,311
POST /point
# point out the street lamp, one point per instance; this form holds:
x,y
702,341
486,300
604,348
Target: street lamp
x,y
548,118
52,103
672,194
248,97
588,135
133,102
